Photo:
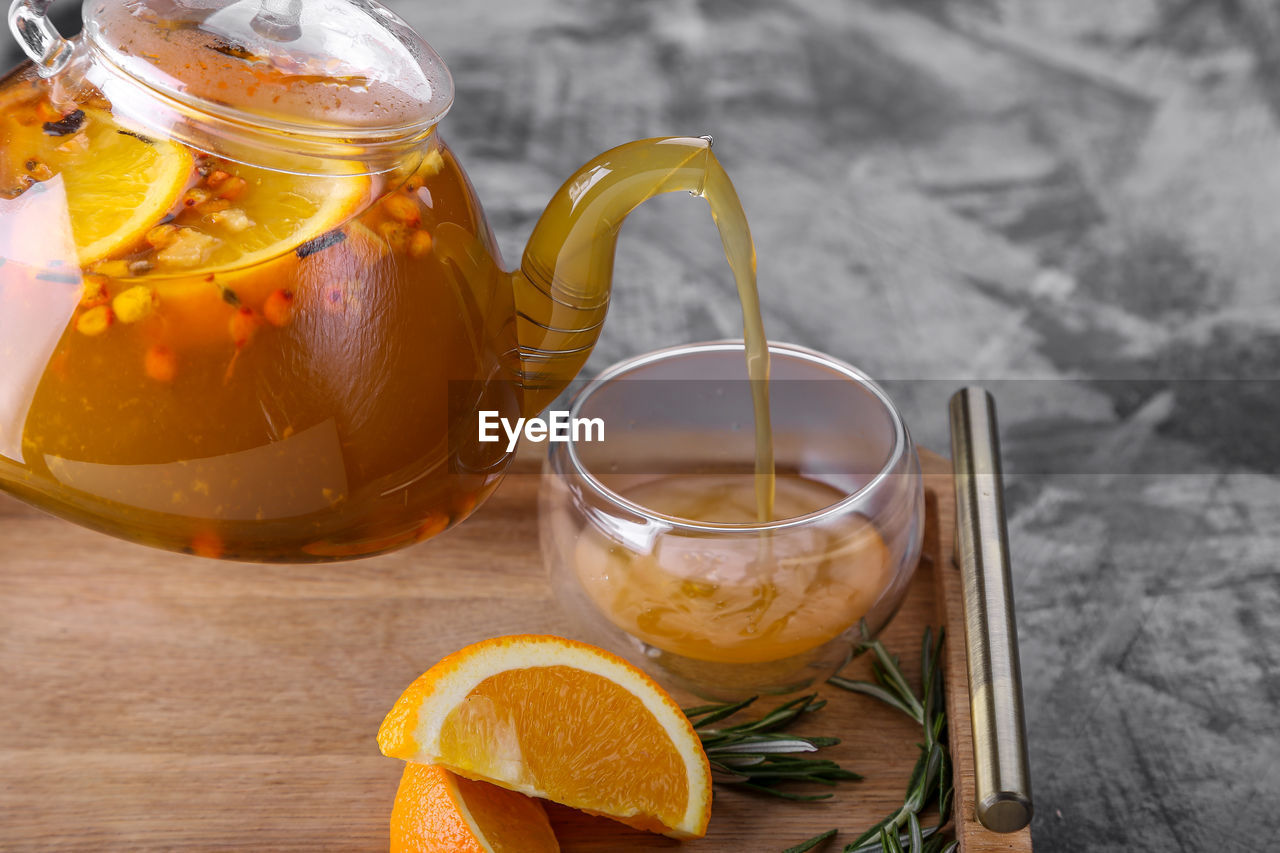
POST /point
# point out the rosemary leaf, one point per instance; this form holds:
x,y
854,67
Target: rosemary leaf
x,y
786,795
917,837
715,713
895,678
931,783
756,756
805,846
738,760
872,843
872,690
760,746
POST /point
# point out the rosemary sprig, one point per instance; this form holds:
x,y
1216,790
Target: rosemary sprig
x,y
757,756
930,782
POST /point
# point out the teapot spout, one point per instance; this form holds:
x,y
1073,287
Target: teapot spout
x,y
562,287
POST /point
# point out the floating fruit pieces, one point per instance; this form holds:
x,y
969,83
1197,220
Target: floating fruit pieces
x,y
438,812
160,363
278,309
135,304
95,321
118,183
248,216
560,720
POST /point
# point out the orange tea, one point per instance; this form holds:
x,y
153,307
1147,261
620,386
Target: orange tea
x,y
749,598
249,300
234,360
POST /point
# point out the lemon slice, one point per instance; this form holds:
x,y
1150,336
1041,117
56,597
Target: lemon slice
x,y
119,183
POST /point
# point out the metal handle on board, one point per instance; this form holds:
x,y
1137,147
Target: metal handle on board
x,y
1003,796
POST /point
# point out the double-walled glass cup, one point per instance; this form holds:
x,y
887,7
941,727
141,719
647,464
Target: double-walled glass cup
x,y
652,536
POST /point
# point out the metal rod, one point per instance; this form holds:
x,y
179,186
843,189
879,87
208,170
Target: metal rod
x,y
1003,796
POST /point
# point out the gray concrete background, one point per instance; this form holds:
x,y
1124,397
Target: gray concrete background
x,y
1076,203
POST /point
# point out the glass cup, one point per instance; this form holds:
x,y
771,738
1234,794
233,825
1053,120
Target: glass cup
x,y
652,535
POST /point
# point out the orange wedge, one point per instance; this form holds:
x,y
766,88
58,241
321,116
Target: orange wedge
x,y
438,812
561,720
118,182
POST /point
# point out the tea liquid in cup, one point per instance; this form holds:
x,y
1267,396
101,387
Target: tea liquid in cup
x,y
652,536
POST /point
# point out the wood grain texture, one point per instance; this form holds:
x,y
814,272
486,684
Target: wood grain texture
x,y
949,593
161,702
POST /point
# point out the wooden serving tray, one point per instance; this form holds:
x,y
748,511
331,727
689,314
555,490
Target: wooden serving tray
x,y
161,702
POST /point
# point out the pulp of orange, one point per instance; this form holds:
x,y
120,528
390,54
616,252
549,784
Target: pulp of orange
x,y
559,720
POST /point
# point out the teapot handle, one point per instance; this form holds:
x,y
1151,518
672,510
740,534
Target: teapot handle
x,y
38,37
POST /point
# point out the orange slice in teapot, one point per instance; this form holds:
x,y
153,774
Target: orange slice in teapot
x,y
117,182
240,235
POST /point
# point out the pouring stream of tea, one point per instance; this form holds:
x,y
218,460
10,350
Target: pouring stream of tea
x,y
739,250
563,283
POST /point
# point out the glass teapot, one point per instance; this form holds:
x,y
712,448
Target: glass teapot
x,y
249,303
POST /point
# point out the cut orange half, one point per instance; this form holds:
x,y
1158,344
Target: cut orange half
x,y
439,812
561,720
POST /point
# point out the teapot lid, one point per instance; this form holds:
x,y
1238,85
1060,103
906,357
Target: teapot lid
x,y
346,70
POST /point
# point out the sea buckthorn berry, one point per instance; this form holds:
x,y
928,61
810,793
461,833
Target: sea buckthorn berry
x,y
419,244
196,196
161,364
95,321
278,309
232,188
134,304
162,236
396,235
402,208
243,326
206,543
433,525
214,206
217,177
38,170
93,291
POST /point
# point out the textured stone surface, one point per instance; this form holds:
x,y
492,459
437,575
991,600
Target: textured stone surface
x,y
1077,204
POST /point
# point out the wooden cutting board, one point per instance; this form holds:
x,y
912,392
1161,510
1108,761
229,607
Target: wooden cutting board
x,y
157,702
